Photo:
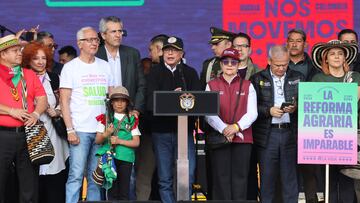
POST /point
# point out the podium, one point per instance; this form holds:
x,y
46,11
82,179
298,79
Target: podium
x,y
183,104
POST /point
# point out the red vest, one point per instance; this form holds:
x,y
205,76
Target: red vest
x,y
228,95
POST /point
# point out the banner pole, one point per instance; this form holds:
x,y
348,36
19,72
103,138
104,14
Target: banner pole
x,y
327,183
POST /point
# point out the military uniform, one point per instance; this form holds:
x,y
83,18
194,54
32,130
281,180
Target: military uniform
x,y
211,67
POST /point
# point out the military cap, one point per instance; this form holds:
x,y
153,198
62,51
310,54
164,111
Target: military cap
x,y
174,42
218,35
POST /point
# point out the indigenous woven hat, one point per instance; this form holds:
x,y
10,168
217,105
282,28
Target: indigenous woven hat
x,y
230,53
319,49
8,41
175,42
218,35
119,92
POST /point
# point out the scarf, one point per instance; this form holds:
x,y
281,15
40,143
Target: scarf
x,y
11,77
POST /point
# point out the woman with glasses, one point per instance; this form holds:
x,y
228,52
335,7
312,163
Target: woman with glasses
x,y
53,176
334,58
238,110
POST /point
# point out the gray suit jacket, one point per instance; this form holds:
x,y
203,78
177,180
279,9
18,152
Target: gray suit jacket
x,y
132,74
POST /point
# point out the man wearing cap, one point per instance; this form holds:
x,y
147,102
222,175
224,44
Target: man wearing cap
x,y
13,118
220,40
123,60
170,75
82,94
275,129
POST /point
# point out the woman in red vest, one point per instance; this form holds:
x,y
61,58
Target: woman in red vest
x,y
238,110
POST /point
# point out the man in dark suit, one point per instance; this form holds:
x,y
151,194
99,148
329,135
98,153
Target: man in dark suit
x,y
124,61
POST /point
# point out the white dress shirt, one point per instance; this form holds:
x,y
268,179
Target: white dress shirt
x,y
279,99
115,65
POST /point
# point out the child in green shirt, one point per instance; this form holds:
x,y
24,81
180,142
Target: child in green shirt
x,y
120,138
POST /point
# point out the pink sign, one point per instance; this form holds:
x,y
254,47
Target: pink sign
x,y
327,123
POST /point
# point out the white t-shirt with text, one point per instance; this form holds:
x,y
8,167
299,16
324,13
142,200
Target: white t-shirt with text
x,y
89,84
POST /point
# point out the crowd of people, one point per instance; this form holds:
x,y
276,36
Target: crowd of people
x,y
105,96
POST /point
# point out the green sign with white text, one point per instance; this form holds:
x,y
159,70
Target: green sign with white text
x,y
93,3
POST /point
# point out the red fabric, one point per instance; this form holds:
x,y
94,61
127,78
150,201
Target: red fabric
x,y
228,95
34,89
101,118
136,123
6,75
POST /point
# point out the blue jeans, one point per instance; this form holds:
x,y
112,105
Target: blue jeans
x,y
279,156
132,189
165,149
80,155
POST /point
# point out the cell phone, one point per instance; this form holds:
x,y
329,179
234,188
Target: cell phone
x,y
28,36
286,104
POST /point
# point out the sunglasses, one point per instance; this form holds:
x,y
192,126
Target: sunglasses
x,y
229,62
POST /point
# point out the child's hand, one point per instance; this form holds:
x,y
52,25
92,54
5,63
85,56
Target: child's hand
x,y
109,130
114,140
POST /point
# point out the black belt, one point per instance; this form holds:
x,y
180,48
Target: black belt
x,y
280,125
13,129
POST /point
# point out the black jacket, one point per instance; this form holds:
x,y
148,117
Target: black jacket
x,y
305,67
132,74
161,78
264,87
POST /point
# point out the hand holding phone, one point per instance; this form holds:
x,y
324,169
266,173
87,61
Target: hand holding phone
x,y
286,104
28,36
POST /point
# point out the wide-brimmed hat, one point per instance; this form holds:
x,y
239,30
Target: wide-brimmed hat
x,y
319,49
119,92
230,53
8,41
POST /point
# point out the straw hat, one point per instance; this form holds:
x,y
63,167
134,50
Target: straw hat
x,y
319,49
8,41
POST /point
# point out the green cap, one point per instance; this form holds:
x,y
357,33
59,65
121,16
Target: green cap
x,y
218,35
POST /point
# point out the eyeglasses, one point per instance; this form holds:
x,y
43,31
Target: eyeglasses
x,y
228,62
279,90
239,46
91,40
53,46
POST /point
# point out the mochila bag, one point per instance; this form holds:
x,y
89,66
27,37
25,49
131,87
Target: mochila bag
x,y
213,138
39,146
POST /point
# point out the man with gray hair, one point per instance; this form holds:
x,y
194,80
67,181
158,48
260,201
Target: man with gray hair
x,y
123,60
82,94
275,129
